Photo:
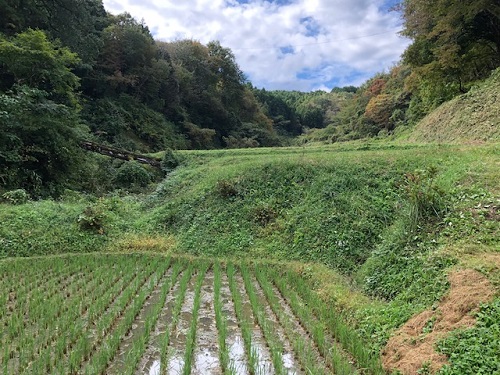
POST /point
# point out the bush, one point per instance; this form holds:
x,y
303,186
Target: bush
x,y
264,214
170,161
92,219
131,175
226,189
18,196
425,198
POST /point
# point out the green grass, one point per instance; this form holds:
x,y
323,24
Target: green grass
x,y
380,225
474,116
475,350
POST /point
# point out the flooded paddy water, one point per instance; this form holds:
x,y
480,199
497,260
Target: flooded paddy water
x,y
159,317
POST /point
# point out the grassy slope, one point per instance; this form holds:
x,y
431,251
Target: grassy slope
x,y
474,116
344,208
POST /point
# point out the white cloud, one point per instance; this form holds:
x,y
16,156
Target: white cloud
x,y
328,42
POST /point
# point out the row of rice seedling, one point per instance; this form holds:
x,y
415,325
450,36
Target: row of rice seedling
x,y
35,319
45,338
332,353
145,323
244,322
101,314
87,310
107,344
220,322
275,344
48,341
318,318
20,322
191,337
170,331
74,340
311,360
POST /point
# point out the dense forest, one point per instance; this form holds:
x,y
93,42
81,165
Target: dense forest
x,y
70,72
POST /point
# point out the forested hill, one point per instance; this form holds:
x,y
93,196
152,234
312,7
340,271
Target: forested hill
x,y
71,72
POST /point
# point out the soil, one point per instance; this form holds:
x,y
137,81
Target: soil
x,y
413,345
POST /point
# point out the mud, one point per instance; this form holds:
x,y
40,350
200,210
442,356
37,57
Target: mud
x,y
151,359
234,340
411,346
206,354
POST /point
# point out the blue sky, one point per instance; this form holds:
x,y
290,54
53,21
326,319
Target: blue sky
x,y
284,44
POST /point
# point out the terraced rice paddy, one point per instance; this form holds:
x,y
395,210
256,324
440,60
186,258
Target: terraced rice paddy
x,y
141,314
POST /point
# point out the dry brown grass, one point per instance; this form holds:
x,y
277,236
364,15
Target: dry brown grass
x,y
413,345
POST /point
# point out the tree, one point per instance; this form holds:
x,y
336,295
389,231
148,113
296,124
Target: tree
x,y
125,62
39,120
77,24
31,59
455,42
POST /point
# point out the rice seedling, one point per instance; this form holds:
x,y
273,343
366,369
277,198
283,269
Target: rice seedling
x,y
318,319
275,346
175,318
139,345
99,362
244,323
220,322
191,337
309,358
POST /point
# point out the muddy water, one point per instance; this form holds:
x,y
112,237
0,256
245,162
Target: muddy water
x,y
150,363
138,326
259,345
206,354
290,363
234,340
300,329
177,346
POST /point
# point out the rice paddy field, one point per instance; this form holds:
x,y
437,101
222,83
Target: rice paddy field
x,y
153,314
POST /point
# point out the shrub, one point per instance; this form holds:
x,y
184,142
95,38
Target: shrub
x,y
92,219
131,174
18,196
264,215
170,161
425,198
226,189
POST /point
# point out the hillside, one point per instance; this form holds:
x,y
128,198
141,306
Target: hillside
x,y
378,232
472,117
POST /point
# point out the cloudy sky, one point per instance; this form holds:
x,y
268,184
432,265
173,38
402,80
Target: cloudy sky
x,y
284,44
